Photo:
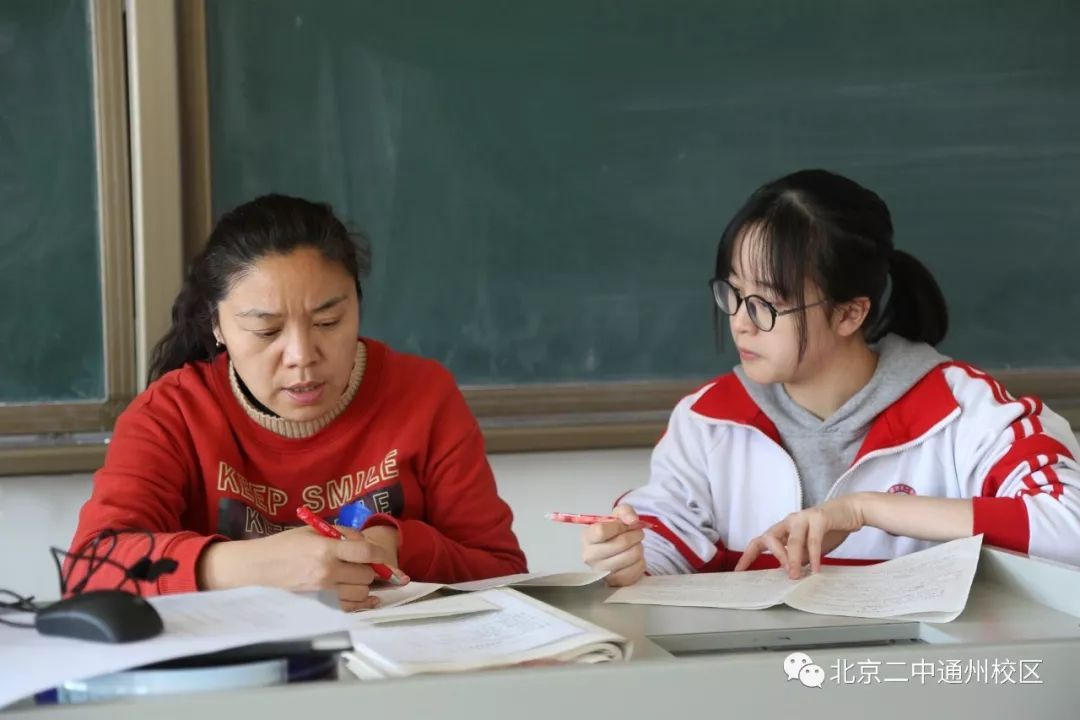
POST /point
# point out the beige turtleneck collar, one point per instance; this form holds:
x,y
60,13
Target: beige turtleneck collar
x,y
301,429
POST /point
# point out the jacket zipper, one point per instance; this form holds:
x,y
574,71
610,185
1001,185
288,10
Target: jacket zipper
x,y
885,452
787,456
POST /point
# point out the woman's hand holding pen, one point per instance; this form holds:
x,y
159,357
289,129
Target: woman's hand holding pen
x,y
385,536
616,547
301,560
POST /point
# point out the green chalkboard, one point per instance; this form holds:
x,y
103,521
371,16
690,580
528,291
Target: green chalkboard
x,y
544,183
50,277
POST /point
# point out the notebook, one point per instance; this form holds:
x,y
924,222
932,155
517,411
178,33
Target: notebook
x,y
517,630
393,596
930,585
462,604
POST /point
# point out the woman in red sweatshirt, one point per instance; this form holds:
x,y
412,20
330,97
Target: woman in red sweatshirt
x,y
262,400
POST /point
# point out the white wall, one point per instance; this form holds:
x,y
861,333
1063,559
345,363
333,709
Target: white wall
x,y
36,512
581,482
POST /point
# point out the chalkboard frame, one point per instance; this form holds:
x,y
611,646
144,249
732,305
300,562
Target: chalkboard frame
x,y
543,417
106,28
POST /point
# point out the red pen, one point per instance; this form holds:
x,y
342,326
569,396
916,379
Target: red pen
x,y
593,519
325,529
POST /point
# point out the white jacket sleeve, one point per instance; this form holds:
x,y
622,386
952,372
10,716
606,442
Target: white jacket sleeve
x,y
1017,460
677,498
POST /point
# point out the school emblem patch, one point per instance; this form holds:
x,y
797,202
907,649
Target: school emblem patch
x,y
902,489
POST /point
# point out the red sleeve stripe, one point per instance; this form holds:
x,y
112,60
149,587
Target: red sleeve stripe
x,y
1032,485
668,534
1052,485
1003,522
765,561
720,561
996,388
1025,426
1021,429
725,560
1032,405
1056,486
1025,450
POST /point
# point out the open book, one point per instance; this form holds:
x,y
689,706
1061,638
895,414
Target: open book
x,y
516,630
443,607
930,585
394,596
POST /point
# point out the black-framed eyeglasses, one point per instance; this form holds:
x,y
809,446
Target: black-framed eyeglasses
x,y
761,311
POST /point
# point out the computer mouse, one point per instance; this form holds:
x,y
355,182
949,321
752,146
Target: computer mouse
x,y
108,616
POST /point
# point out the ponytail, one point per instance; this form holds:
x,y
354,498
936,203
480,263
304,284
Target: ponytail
x,y
916,306
190,337
820,226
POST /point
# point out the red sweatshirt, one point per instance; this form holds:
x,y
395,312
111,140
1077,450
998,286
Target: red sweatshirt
x,y
189,465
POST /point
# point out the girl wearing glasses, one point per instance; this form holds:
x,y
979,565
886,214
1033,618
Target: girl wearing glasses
x,y
843,435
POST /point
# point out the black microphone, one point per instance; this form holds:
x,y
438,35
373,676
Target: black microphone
x,y
148,570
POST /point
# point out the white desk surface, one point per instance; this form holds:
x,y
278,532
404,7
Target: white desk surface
x,y
1019,609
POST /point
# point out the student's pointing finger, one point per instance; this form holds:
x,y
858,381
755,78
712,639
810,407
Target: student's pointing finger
x,y
749,554
796,547
776,548
813,544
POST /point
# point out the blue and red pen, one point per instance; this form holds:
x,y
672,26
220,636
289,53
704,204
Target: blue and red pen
x,y
325,529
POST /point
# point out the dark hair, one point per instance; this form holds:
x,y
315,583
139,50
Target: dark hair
x,y
267,225
817,225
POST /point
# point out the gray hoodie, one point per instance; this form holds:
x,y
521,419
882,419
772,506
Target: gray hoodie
x,y
824,449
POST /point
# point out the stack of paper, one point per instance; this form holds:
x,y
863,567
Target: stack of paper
x,y
195,623
518,629
394,596
454,605
930,585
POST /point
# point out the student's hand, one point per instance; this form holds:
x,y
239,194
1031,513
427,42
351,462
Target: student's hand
x,y
805,536
298,559
616,547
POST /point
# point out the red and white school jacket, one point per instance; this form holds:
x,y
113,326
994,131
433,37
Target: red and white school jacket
x,y
720,477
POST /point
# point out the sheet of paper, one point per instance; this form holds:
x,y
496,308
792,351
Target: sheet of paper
x,y
454,605
556,579
932,583
750,590
483,638
391,595
561,579
195,623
